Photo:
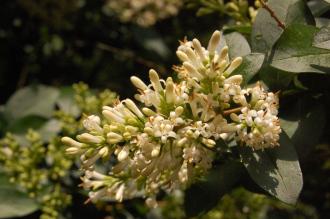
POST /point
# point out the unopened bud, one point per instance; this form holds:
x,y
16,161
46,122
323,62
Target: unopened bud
x,y
148,112
123,154
138,83
154,78
114,138
209,142
198,48
234,64
70,142
182,56
170,94
90,139
131,106
214,42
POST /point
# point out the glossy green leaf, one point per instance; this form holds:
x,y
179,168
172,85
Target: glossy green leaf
x,y
322,22
322,38
265,30
13,202
274,78
203,196
304,122
66,101
238,45
250,66
50,129
294,51
276,170
21,126
318,7
34,100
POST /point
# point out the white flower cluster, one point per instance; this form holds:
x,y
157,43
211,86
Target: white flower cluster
x,y
170,142
143,12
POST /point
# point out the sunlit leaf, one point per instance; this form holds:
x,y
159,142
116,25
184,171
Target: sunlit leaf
x,y
34,100
294,51
276,170
13,202
203,196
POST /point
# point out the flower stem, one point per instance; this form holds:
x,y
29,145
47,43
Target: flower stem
x,y
272,14
235,110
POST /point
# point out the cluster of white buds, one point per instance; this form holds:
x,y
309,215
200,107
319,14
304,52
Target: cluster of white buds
x,y
169,143
143,12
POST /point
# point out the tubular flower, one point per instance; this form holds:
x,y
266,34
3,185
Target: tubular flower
x,y
169,142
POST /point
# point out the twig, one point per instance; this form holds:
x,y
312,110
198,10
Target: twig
x,y
130,55
235,110
272,14
22,77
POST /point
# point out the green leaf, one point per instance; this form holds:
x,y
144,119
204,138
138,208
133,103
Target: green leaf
x,y
276,170
66,102
304,122
50,129
322,38
203,196
322,22
274,78
34,100
250,66
21,126
294,51
238,45
246,30
299,13
13,202
265,30
318,7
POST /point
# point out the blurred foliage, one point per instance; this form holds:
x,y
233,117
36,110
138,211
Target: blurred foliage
x,y
35,160
59,42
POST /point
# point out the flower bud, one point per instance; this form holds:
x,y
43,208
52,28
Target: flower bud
x,y
154,78
182,56
72,150
70,142
92,123
114,138
138,83
90,139
235,79
179,110
234,64
214,42
169,93
209,142
224,53
112,117
155,152
192,70
131,106
149,131
192,57
104,152
151,202
198,48
123,154
234,117
182,141
148,112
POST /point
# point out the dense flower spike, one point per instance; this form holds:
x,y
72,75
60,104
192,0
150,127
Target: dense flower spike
x,y
169,142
